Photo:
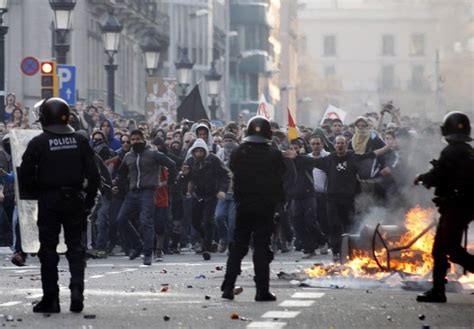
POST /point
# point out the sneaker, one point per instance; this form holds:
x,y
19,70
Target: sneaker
x,y
214,246
101,254
147,260
134,253
309,255
432,296
222,246
18,259
336,258
47,305
77,300
158,256
197,248
324,249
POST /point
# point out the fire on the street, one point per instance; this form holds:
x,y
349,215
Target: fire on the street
x,y
415,260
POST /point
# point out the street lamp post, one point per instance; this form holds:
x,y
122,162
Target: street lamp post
x,y
3,32
151,52
111,29
184,69
213,79
62,26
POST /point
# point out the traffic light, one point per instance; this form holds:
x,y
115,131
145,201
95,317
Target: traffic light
x,y
49,80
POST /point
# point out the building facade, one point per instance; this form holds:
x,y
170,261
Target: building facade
x,y
363,53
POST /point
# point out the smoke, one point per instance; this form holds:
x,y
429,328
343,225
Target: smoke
x,y
416,152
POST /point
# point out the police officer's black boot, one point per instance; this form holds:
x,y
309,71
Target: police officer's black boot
x,y
263,292
435,294
77,299
228,286
48,304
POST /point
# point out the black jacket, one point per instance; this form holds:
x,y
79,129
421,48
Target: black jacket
x,y
258,171
452,174
341,171
54,161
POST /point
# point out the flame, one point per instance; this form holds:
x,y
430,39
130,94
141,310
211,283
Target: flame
x,y
415,260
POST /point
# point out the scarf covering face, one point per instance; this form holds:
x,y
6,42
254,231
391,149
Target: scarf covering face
x,y
360,139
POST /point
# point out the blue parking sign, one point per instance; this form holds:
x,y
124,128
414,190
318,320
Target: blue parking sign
x,y
67,82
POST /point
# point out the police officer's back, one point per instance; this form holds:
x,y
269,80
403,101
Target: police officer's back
x,y
55,167
452,176
258,185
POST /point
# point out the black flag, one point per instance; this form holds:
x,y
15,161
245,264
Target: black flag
x,y
191,108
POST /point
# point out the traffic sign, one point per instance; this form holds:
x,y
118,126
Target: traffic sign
x,y
29,66
67,83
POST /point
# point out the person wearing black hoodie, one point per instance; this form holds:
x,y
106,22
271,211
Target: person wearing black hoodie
x,y
208,179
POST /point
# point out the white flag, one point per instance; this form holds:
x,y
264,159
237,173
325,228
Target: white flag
x,y
333,112
265,109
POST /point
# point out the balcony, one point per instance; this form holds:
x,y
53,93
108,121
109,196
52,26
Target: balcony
x,y
254,13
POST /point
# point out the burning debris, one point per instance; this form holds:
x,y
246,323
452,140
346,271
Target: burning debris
x,y
379,252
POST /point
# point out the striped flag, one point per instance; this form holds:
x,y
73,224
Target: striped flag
x,y
292,130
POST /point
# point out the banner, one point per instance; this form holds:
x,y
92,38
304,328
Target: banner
x,y
265,109
161,100
333,112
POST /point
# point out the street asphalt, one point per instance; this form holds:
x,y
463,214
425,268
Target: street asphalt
x,y
183,292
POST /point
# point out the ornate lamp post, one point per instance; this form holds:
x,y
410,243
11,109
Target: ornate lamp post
x,y
151,52
184,68
213,79
111,29
62,26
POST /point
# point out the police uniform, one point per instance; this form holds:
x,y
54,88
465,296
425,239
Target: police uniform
x,y
258,186
452,176
55,166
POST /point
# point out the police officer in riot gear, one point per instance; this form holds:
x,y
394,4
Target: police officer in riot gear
x,y
452,176
55,167
258,186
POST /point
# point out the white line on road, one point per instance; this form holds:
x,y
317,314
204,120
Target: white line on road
x,y
281,314
35,296
96,276
309,295
9,304
265,325
297,303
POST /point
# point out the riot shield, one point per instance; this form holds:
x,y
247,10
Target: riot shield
x,y
27,209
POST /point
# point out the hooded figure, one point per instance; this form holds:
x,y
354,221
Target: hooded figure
x,y
113,143
229,145
211,146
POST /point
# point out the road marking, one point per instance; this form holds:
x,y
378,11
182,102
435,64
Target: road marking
x,y
281,314
297,303
96,276
113,272
264,325
10,304
310,295
35,296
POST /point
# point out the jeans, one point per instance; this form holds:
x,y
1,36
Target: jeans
x,y
225,218
143,202
102,224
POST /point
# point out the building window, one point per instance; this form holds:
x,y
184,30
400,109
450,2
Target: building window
x,y
417,44
329,71
388,77
329,45
388,45
418,78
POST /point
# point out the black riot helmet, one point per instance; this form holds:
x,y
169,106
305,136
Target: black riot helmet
x,y
54,116
258,130
456,127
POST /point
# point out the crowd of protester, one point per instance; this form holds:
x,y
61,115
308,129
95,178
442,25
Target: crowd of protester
x,y
187,202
